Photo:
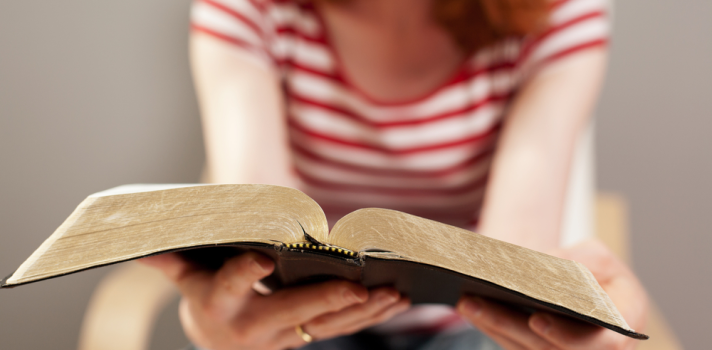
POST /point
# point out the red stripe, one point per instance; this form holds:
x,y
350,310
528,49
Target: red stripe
x,y
465,164
553,30
349,114
294,94
464,76
293,31
227,38
468,140
475,221
490,69
476,184
574,49
237,15
258,4
325,74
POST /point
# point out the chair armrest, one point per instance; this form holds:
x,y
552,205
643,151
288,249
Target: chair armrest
x,y
612,229
124,307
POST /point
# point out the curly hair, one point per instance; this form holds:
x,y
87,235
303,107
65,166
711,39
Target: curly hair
x,y
475,24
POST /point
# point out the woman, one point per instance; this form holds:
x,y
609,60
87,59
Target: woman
x,y
462,111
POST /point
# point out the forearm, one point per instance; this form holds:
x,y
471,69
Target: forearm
x,y
527,189
243,116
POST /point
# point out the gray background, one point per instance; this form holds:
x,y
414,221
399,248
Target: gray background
x,y
95,94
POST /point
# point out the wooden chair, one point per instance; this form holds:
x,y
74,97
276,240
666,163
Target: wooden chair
x,y
612,229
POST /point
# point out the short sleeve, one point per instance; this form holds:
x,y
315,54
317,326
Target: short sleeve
x,y
242,23
574,26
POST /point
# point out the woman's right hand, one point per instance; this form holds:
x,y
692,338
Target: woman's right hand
x,y
220,310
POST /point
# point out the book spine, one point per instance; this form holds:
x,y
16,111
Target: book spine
x,y
323,248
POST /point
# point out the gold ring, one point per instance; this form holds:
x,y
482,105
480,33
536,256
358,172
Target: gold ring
x,y
302,334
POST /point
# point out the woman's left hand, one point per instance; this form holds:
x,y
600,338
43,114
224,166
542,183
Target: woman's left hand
x,y
514,330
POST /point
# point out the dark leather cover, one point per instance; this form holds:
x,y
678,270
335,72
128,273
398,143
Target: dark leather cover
x,y
424,284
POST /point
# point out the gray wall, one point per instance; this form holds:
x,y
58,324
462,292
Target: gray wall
x,y
95,94
654,146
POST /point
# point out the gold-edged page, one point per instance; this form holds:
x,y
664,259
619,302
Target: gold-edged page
x,y
108,228
543,277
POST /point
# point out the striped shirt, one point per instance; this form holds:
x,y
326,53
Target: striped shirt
x,y
429,156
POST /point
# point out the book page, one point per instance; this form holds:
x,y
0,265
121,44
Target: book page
x,y
540,276
108,228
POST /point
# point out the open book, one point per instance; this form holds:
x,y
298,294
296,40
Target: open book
x,y
429,261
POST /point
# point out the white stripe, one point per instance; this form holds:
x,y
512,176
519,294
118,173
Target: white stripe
x,y
403,137
506,51
580,33
347,177
219,21
303,52
451,98
245,8
290,15
422,161
576,8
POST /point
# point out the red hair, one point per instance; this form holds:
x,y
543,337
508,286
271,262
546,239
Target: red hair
x,y
474,24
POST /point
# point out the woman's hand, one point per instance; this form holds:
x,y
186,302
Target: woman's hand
x,y
220,310
515,330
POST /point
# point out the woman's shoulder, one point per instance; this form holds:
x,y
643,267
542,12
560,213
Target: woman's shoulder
x,y
573,26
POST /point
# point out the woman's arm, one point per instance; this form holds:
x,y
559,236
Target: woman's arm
x,y
245,137
526,192
515,330
242,111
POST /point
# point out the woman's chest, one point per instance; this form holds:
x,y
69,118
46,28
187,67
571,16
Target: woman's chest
x,y
362,87
390,58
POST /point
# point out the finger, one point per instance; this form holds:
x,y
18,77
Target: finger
x,y
171,264
395,309
191,281
615,278
574,335
500,321
232,284
290,339
294,306
382,304
237,275
596,257
194,330
378,301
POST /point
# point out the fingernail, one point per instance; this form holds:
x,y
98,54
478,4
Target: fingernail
x,y
261,266
540,324
387,298
472,307
351,297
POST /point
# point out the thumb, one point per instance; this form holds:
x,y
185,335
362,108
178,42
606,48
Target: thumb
x,y
171,264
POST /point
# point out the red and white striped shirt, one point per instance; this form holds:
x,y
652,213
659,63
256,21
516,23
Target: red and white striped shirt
x,y
429,156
